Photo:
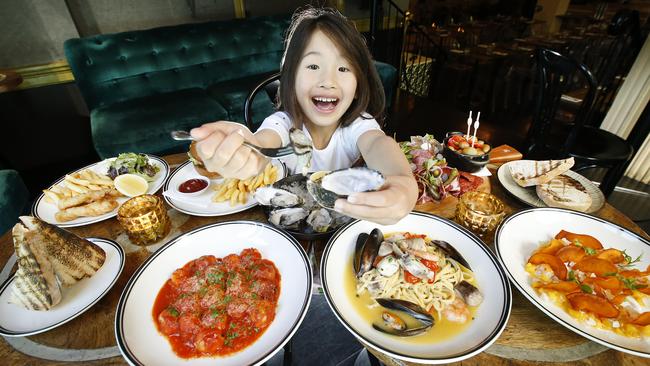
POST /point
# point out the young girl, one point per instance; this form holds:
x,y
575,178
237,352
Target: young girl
x,y
330,88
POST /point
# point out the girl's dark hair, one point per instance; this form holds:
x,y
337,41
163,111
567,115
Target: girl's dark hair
x,y
370,92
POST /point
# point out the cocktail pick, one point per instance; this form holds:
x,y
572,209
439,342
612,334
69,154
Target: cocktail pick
x,y
476,124
469,123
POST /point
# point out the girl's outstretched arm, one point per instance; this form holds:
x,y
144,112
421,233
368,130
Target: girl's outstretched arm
x,y
400,192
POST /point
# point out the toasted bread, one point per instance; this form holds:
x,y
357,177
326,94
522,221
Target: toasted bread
x,y
564,192
529,173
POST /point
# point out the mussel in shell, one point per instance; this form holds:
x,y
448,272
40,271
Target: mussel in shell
x,y
327,187
451,252
395,325
366,250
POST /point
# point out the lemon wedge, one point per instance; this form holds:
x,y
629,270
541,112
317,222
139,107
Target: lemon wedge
x,y
131,185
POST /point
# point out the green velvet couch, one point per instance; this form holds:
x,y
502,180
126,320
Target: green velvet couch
x,y
140,85
13,198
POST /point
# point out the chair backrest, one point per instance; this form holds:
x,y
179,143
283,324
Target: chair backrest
x,y
556,75
616,60
270,85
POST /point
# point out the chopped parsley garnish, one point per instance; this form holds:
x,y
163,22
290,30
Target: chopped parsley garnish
x,y
198,273
589,251
226,299
214,277
629,261
586,288
172,310
571,276
203,291
214,313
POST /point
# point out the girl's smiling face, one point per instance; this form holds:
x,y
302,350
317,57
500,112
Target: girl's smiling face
x,y
325,84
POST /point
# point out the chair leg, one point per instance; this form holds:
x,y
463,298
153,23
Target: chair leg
x,y
611,178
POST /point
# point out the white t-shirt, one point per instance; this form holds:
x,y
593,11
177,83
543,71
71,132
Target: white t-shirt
x,y
341,151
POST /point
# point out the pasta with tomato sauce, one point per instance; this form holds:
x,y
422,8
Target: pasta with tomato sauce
x,y
216,306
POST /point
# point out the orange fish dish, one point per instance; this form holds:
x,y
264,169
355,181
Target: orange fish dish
x,y
593,284
216,306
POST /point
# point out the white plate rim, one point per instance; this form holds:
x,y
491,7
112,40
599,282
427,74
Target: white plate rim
x,y
487,342
597,196
123,347
8,333
541,306
235,209
94,219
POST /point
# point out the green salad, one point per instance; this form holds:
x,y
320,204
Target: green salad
x,y
133,163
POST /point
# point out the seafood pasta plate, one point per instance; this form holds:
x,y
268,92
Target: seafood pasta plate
x,y
423,290
586,273
47,211
231,293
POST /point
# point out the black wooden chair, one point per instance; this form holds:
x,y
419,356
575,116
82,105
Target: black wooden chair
x,y
270,85
550,137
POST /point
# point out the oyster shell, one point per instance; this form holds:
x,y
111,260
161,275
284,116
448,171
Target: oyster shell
x,y
302,146
288,217
320,220
271,196
327,187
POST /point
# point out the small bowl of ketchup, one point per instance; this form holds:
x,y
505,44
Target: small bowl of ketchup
x,y
193,186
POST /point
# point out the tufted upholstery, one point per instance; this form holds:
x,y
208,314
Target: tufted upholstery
x,y
13,198
140,85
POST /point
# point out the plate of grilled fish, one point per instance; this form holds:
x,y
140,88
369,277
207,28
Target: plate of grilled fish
x,y
88,195
59,276
550,183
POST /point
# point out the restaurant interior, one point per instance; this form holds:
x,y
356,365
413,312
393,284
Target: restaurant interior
x,y
85,80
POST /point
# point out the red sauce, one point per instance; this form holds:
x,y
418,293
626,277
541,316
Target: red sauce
x,y
216,306
192,185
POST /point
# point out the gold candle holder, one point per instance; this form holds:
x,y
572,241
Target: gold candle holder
x,y
144,218
481,213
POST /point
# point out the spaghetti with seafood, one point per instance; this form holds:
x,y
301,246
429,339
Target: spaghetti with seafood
x,y
411,268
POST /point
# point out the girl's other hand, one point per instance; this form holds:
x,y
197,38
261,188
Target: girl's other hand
x,y
384,207
220,147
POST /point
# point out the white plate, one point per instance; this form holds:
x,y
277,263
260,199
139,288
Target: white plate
x,y
491,316
523,232
135,330
528,195
186,171
16,321
46,211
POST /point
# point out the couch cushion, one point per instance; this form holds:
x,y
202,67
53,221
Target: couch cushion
x,y
388,76
13,198
232,95
144,124
110,68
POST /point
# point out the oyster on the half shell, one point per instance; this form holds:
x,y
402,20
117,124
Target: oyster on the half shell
x,y
302,146
327,187
276,197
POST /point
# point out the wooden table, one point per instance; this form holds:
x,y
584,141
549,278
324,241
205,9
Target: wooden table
x,y
529,336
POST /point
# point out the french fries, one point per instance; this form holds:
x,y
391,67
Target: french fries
x,y
81,182
236,191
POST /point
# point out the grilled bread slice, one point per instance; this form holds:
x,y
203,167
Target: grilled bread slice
x,y
529,173
35,286
72,257
564,192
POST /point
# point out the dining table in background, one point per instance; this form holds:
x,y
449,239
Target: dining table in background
x,y
90,338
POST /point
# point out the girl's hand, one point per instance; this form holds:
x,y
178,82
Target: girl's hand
x,y
220,147
384,207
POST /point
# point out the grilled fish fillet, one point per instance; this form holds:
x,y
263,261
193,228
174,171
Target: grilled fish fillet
x,y
72,257
564,192
35,286
532,172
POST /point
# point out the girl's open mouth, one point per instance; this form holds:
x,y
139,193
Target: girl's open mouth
x,y
324,104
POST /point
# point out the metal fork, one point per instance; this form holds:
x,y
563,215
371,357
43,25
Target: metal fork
x,y
269,152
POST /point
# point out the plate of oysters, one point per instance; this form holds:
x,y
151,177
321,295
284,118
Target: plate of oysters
x,y
303,205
